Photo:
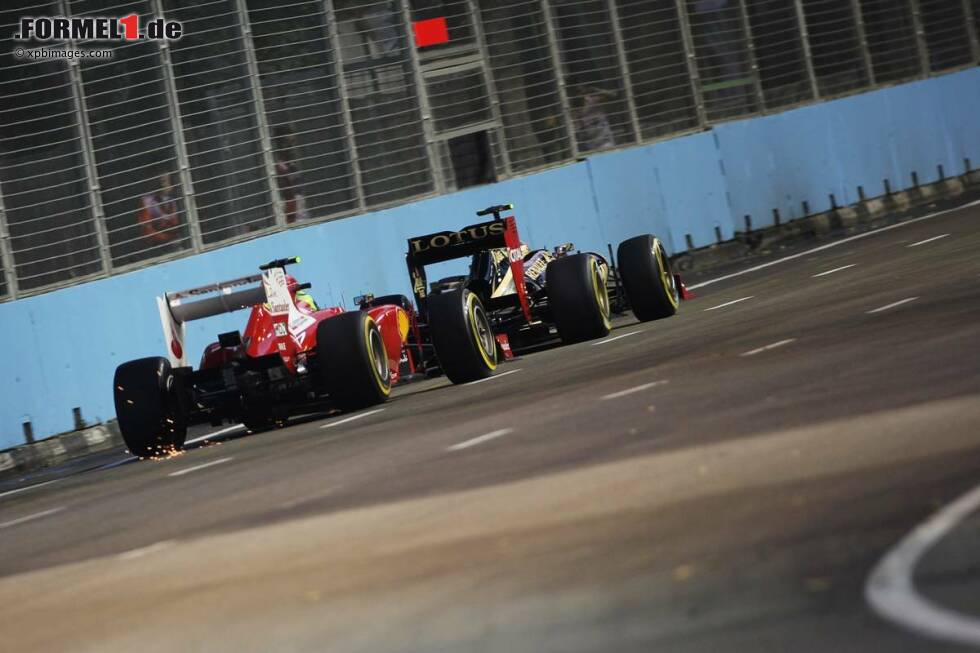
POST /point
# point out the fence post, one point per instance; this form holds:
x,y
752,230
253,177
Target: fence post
x,y
333,42
566,110
920,38
260,118
971,29
88,153
807,52
862,37
624,68
481,42
692,64
760,96
428,129
6,251
180,145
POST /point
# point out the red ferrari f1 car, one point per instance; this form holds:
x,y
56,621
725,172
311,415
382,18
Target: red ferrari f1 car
x,y
291,357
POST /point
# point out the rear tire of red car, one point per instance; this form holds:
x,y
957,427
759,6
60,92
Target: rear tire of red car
x,y
578,297
148,407
647,278
352,361
462,335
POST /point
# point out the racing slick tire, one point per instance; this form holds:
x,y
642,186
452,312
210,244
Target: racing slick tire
x,y
647,278
148,407
352,360
578,297
462,335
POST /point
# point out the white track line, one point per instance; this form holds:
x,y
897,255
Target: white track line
x,y
117,463
774,345
188,470
132,554
890,590
625,335
495,376
201,438
483,438
836,243
892,305
629,391
734,301
29,487
352,418
927,240
27,518
843,267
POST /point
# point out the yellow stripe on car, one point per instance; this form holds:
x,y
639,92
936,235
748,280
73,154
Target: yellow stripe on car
x,y
383,384
471,305
665,279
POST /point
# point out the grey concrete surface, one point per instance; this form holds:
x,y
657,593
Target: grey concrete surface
x,y
666,490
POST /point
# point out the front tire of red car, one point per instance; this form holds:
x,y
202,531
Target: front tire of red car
x,y
148,407
352,361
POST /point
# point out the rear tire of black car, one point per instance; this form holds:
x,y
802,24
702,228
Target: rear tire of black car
x,y
352,361
148,406
462,335
647,278
578,297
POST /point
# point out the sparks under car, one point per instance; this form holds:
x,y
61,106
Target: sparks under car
x,y
290,358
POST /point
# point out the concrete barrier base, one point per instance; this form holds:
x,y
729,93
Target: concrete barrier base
x,y
869,214
59,449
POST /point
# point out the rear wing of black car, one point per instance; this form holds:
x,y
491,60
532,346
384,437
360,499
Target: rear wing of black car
x,y
499,233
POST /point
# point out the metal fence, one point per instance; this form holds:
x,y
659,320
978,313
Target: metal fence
x,y
270,114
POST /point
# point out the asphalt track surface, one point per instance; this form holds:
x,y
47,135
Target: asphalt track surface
x,y
726,479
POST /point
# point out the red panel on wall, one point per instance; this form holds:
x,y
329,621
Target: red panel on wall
x,y
430,32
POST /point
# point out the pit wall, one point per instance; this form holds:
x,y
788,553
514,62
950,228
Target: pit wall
x,y
62,347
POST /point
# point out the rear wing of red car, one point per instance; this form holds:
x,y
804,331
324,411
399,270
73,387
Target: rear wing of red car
x,y
499,233
178,308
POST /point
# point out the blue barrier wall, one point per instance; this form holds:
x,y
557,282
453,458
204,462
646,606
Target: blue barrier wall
x,y
63,346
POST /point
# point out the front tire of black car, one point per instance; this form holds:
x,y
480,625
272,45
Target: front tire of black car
x,y
578,297
352,361
462,335
647,278
148,407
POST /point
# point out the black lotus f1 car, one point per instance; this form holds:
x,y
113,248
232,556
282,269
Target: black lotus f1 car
x,y
514,297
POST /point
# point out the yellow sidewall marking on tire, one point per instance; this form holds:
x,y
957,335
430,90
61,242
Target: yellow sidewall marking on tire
x,y
601,293
664,277
383,386
471,314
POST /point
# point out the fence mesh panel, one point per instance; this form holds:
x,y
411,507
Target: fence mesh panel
x,y
314,174
270,113
657,67
890,30
592,75
779,52
218,109
536,132
43,178
386,117
723,58
947,35
835,45
133,143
